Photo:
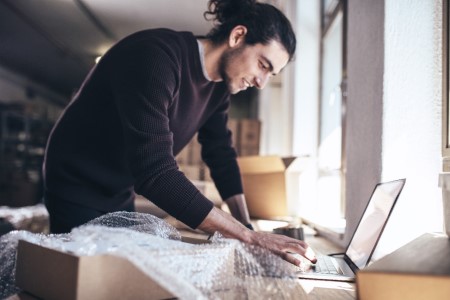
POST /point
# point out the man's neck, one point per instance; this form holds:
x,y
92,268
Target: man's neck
x,y
213,54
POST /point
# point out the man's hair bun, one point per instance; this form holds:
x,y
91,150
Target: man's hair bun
x,y
223,11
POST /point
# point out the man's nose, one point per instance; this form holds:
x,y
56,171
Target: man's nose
x,y
261,81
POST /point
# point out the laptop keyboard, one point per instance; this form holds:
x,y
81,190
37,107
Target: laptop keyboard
x,y
325,265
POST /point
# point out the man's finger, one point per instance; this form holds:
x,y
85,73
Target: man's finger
x,y
309,254
302,249
290,258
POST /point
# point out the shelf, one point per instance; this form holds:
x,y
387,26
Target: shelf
x,y
23,138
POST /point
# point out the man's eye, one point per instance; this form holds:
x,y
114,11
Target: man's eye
x,y
262,66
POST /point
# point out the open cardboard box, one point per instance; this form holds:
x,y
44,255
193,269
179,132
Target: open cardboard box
x,y
270,184
51,274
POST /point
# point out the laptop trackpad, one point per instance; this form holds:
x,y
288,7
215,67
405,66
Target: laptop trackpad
x,y
341,264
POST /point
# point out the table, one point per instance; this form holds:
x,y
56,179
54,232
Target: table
x,y
322,289
312,289
308,289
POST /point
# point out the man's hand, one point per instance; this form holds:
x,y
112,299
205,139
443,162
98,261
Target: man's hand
x,y
284,246
218,220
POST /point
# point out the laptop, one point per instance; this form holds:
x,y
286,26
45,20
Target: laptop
x,y
343,266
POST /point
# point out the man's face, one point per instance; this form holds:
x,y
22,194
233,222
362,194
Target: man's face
x,y
244,66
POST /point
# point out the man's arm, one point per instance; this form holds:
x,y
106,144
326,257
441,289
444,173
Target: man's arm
x,y
218,220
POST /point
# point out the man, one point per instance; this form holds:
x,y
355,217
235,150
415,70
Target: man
x,y
144,101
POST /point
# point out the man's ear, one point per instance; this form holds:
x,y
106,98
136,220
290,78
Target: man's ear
x,y
237,36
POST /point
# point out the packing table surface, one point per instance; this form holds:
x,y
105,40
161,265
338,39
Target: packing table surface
x,y
323,289
312,289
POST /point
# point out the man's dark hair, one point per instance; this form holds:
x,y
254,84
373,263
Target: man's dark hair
x,y
264,23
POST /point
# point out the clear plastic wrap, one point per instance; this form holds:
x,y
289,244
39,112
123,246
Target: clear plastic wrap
x,y
31,218
222,269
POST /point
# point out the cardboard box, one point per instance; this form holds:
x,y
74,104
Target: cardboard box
x,y
191,153
233,125
51,274
245,139
249,137
419,270
209,190
196,151
192,172
444,184
264,179
184,157
144,205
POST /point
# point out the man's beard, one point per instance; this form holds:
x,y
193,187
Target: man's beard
x,y
225,62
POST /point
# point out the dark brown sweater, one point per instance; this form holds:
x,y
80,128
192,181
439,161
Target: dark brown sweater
x,y
135,111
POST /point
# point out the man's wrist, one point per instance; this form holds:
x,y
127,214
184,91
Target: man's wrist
x,y
238,208
249,226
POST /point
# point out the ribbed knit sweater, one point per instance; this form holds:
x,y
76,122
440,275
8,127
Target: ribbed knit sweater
x,y
137,109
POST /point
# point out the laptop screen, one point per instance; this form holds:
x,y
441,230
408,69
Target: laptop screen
x,y
373,222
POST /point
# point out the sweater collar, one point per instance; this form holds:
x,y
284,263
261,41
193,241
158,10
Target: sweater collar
x,y
201,51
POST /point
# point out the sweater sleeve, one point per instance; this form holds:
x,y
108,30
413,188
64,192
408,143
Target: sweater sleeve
x,y
218,153
144,82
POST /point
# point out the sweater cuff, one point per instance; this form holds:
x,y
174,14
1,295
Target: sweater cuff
x,y
196,212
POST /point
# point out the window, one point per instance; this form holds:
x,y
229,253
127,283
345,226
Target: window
x,y
331,123
445,89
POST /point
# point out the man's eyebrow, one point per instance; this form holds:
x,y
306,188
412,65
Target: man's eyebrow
x,y
267,61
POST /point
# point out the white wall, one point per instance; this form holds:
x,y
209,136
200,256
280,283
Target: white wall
x,y
393,112
274,120
412,115
306,86
363,130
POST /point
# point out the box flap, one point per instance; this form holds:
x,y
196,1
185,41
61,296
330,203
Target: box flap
x,y
265,194
260,164
287,161
299,164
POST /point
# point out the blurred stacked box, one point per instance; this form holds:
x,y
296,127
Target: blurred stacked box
x,y
248,137
245,139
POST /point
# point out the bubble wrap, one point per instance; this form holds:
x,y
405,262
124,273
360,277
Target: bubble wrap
x,y
31,218
222,269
